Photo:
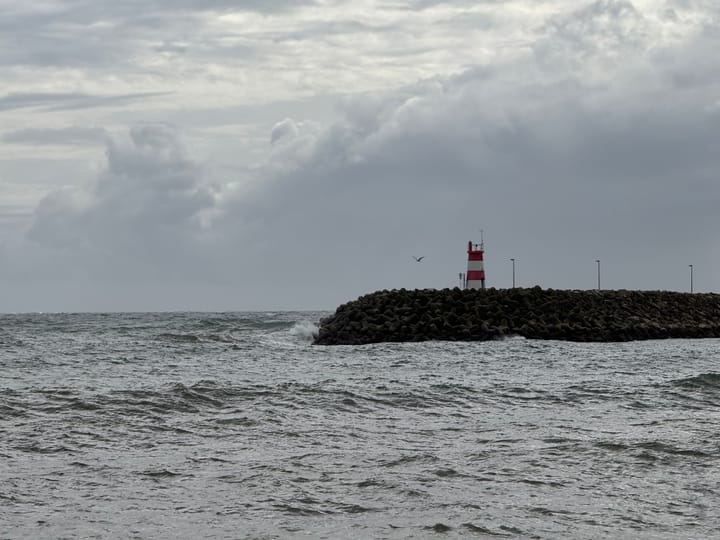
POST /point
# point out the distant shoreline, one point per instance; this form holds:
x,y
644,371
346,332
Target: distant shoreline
x,y
480,315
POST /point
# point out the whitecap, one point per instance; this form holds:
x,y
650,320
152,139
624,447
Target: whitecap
x,y
305,330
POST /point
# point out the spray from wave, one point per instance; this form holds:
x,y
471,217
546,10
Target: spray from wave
x,y
305,330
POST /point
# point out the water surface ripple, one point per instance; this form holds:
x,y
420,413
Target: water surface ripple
x,y
232,425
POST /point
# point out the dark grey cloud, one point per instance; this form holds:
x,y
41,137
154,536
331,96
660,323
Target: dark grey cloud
x,y
558,175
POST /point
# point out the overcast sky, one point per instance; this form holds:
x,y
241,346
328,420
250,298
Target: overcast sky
x,y
276,154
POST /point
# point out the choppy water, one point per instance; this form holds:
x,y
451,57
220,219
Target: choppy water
x,y
235,426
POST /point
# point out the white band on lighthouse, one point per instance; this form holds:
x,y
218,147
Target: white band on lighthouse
x,y
476,265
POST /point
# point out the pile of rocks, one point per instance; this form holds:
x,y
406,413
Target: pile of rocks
x,y
478,315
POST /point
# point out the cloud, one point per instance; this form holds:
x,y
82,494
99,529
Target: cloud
x,y
82,33
556,166
148,203
69,101
11,212
596,141
283,129
62,136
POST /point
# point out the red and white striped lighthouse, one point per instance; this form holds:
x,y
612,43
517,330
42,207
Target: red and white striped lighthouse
x,y
476,268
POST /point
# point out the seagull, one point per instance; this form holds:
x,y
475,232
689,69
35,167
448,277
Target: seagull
x,y
418,259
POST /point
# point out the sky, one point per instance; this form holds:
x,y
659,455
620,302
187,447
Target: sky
x,y
224,155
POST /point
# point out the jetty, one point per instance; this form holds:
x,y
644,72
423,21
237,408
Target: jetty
x,y
456,314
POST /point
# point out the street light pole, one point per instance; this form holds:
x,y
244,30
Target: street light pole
x,y
513,267
598,265
691,278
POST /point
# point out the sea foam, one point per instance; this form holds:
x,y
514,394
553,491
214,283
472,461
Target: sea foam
x,y
305,330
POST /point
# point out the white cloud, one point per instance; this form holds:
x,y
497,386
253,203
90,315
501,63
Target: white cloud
x,y
283,129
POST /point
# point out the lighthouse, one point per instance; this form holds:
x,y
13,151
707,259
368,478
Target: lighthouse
x,y
475,278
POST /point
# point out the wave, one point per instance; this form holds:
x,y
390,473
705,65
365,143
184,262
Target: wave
x,y
239,329
183,338
304,330
705,381
211,396
160,473
240,406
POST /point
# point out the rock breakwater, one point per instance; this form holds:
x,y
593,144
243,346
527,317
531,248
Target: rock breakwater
x,y
535,313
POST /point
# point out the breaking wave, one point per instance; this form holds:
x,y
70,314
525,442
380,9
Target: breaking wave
x,y
304,330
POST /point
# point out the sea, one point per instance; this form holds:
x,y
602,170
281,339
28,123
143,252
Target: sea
x,y
234,425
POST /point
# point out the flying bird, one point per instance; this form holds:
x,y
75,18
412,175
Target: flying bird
x,y
418,259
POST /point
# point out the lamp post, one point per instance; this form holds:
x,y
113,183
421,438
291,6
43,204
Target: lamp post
x,y
513,268
691,278
598,268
